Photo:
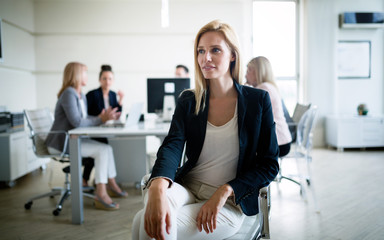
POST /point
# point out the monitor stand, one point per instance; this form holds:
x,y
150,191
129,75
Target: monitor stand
x,y
168,108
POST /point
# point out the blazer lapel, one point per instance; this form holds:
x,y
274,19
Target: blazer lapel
x,y
112,99
242,106
201,126
101,98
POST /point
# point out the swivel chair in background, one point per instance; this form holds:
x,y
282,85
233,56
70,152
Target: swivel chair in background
x,y
40,122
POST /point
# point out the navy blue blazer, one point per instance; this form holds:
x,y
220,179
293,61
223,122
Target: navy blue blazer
x,y
96,101
258,148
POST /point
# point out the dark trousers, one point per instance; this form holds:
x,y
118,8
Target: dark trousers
x,y
284,149
88,164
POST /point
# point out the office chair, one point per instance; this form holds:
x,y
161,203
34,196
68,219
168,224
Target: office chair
x,y
293,120
253,227
302,148
40,122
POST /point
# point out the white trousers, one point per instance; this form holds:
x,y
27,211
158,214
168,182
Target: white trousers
x,y
102,154
185,203
104,161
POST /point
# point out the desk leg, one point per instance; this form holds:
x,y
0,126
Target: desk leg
x,y
76,180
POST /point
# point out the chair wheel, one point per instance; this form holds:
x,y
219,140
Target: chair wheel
x,y
28,205
308,182
56,212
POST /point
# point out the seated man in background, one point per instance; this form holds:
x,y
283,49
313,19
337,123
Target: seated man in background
x,y
181,71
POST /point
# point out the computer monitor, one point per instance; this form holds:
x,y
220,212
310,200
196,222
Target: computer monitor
x,y
160,90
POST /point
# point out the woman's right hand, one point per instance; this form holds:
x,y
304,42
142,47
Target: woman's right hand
x,y
157,214
108,114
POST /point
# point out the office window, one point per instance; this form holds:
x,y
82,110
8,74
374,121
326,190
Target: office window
x,y
275,37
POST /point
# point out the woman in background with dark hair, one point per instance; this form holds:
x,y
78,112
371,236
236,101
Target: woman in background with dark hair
x,y
99,99
103,97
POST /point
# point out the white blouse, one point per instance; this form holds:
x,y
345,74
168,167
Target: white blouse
x,y
219,156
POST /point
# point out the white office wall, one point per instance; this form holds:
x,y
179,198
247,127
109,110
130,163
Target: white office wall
x,y
17,80
128,36
352,92
321,86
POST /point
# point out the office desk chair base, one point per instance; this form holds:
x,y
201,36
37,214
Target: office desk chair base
x,y
65,193
51,194
290,178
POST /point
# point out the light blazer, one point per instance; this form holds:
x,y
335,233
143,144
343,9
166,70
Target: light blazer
x,y
68,115
96,101
258,148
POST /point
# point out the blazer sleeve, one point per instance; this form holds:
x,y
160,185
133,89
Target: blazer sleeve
x,y
171,150
73,113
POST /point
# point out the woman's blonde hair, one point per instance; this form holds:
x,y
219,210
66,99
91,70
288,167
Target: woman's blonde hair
x,y
263,70
231,39
72,76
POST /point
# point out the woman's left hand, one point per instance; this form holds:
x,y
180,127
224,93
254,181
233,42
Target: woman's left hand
x,y
206,218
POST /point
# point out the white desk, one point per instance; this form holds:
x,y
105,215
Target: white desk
x,y
140,130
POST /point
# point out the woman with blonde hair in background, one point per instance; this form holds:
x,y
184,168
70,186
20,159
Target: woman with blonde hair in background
x,y
70,113
231,149
260,75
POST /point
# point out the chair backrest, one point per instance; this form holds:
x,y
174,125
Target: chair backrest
x,y
293,121
39,122
305,128
299,111
288,117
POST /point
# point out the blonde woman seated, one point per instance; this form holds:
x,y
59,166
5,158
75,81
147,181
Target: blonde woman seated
x,y
230,144
260,75
71,112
